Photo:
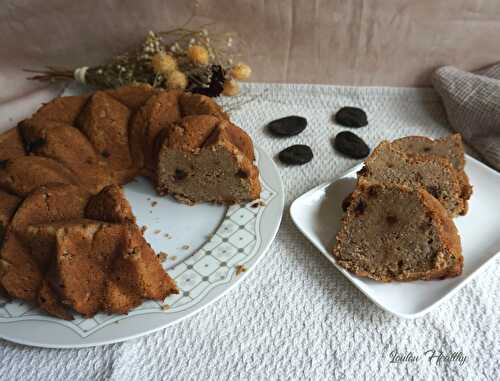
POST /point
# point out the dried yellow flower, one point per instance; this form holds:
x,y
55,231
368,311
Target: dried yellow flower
x,y
163,63
198,55
231,88
177,80
241,71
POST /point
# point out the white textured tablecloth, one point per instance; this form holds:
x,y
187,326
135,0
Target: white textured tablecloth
x,y
296,316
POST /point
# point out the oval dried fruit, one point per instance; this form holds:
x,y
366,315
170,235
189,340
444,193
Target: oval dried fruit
x,y
296,155
351,117
351,145
288,126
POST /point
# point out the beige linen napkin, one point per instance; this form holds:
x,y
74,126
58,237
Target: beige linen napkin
x,y
472,103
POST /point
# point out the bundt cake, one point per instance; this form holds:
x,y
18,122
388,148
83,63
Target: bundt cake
x,y
392,232
69,238
389,165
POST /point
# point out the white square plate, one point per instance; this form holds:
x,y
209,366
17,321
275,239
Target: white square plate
x,y
317,214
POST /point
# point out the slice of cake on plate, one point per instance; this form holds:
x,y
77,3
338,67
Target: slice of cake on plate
x,y
395,233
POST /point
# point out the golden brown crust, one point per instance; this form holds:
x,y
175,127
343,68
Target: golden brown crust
x,y
11,145
449,235
8,206
158,112
48,301
197,104
62,109
69,146
105,123
110,205
24,174
132,96
190,133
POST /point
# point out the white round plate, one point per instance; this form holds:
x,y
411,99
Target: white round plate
x,y
210,249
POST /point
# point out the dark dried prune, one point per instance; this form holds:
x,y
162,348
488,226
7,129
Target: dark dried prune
x,y
180,175
34,145
351,145
351,117
3,164
288,126
296,155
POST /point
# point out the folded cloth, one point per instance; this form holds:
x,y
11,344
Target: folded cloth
x,y
472,103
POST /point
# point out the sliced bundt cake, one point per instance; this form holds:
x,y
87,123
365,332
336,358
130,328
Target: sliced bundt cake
x,y
70,239
392,232
449,147
204,158
435,174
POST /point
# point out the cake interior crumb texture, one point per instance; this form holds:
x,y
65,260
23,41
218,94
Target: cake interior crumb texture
x,y
391,232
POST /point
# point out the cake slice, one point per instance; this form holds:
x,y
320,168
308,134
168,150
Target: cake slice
x,y
434,174
395,233
449,147
110,267
204,158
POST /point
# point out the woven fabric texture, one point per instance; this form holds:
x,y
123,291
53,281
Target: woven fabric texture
x,y
472,102
295,317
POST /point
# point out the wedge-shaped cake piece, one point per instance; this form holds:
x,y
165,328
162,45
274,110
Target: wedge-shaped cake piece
x,y
203,158
70,147
104,121
22,268
449,147
197,104
434,174
133,96
24,174
110,205
393,233
158,112
62,109
110,267
137,274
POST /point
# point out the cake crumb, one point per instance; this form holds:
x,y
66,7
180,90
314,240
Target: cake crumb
x,y
240,269
185,247
173,258
162,256
157,231
144,228
154,203
165,307
167,236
